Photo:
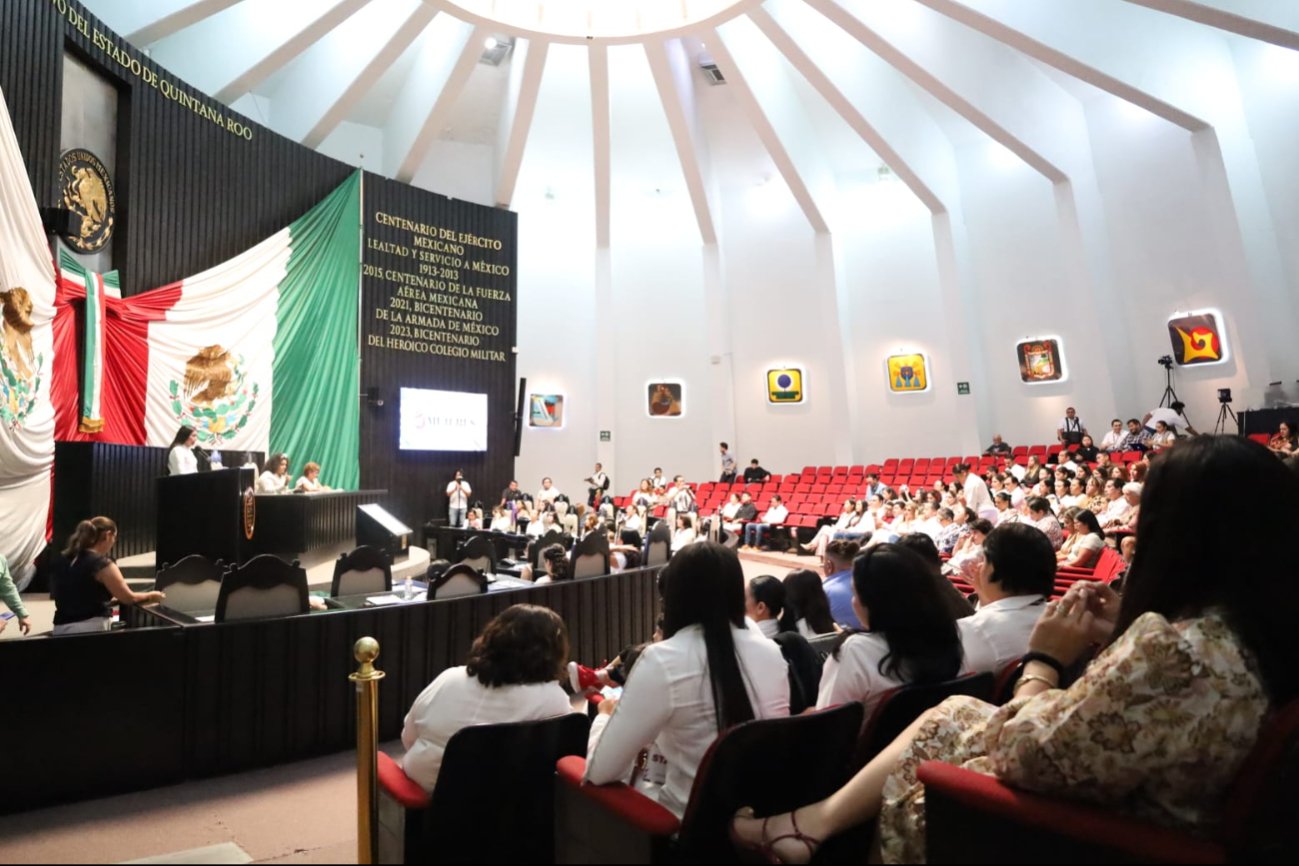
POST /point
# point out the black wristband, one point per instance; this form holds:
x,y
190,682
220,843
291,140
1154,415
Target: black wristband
x,y
1045,659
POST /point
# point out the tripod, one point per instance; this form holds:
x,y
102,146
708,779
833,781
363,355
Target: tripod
x,y
1170,396
1223,414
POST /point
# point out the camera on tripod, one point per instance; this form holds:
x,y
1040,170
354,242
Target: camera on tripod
x,y
1166,362
1224,395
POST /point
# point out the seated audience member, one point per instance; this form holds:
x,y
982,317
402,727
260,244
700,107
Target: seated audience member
x,y
474,519
745,513
632,519
1163,436
1132,499
1075,496
754,533
624,551
911,638
685,532
9,595
970,557
927,521
590,524
547,494
501,520
807,610
1137,437
84,588
1039,515
512,675
873,485
1087,452
1137,471
949,530
755,474
998,447
1182,739
1086,541
1117,508
667,700
837,565
275,478
923,546
1016,491
1114,438
680,497
511,495
1017,577
965,519
310,480
554,564
823,535
645,497
764,601
861,524
1283,443
1005,513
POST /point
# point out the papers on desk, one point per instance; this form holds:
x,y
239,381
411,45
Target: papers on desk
x,y
382,600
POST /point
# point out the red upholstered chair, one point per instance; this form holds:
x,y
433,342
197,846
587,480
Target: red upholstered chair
x,y
973,818
902,706
773,765
494,800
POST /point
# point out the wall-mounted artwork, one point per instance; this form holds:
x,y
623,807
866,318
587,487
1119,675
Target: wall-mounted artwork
x,y
785,386
666,400
908,374
1041,360
1197,338
546,410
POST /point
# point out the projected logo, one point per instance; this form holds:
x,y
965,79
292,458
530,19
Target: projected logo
x,y
908,374
1197,338
785,385
546,410
1040,360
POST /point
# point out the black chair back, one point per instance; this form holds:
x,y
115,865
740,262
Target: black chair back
x,y
590,557
193,583
264,586
478,552
460,579
494,801
773,765
353,572
554,536
658,545
824,644
897,710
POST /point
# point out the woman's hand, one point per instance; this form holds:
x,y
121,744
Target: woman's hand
x,y
1063,632
154,597
25,624
1103,604
607,706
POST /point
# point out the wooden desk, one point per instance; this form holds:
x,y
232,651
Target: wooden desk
x,y
292,524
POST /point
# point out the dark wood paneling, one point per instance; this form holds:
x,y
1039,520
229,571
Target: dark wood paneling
x,y
31,75
116,481
418,479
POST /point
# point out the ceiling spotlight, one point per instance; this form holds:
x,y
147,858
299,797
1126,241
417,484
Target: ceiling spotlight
x,y
490,43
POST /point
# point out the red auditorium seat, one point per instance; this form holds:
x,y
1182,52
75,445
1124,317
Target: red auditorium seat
x,y
1039,450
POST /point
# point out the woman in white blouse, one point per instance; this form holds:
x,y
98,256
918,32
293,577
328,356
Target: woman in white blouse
x,y
685,534
276,477
181,459
911,635
310,480
1086,542
512,675
667,700
847,518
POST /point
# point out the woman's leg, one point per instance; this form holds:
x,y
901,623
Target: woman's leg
x,y
855,803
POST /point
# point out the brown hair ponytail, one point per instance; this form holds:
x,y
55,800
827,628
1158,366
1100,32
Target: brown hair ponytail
x,y
87,534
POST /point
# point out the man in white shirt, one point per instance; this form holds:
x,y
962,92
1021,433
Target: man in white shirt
x,y
976,493
774,516
1014,582
680,496
1114,438
1119,509
458,499
548,493
659,481
1015,489
1071,429
929,522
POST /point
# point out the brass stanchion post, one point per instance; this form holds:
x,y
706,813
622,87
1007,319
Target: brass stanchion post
x,y
367,679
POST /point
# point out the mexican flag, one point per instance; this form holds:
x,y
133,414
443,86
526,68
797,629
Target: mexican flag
x,y
26,358
259,353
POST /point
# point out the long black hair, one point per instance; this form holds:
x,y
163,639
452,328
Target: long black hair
x,y
767,589
703,584
182,436
1244,567
805,599
905,607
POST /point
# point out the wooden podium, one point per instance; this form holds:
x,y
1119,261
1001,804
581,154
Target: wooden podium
x,y
203,513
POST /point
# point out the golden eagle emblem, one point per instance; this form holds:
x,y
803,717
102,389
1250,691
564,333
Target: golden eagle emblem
x,y
208,376
88,192
20,366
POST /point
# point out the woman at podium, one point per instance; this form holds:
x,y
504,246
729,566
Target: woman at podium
x,y
181,459
275,478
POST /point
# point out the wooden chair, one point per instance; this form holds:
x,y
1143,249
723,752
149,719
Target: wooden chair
x,y
264,586
973,818
192,584
460,579
494,798
590,557
363,571
773,765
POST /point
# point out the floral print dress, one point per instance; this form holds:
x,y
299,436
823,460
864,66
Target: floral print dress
x,y
1157,727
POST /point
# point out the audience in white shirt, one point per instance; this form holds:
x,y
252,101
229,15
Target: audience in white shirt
x,y
774,516
1017,577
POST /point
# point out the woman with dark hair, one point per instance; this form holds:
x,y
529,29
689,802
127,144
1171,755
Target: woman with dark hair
x,y
1086,541
709,673
764,601
275,477
512,675
1283,443
554,560
807,610
922,545
85,587
180,456
911,636
1197,652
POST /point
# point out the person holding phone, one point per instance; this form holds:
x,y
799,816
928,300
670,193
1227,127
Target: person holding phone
x,y
458,500
9,595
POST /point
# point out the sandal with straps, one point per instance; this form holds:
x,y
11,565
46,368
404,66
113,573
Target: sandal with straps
x,y
767,847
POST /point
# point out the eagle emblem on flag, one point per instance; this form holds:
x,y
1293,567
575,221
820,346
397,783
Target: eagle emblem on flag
x,y
20,366
215,397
